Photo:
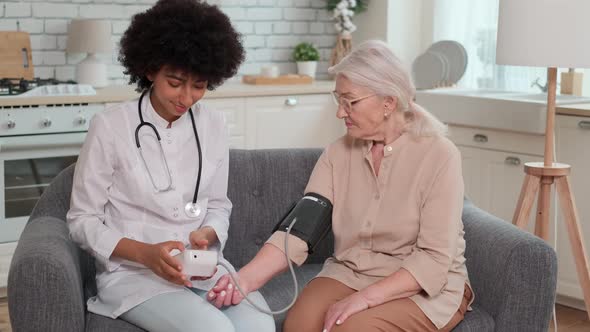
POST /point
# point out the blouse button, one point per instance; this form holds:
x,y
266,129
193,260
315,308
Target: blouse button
x,y
176,215
389,148
255,193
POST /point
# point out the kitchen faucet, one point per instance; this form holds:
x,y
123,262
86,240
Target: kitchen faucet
x,y
542,87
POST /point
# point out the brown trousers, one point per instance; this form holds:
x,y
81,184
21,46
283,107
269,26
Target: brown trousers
x,y
307,315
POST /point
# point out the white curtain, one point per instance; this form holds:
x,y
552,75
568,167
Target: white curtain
x,y
473,23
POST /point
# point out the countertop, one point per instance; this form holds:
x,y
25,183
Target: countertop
x,y
574,109
113,94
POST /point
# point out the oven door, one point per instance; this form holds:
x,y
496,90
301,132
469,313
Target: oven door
x,y
28,164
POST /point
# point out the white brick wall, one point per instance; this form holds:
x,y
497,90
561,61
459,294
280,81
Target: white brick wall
x,y
271,28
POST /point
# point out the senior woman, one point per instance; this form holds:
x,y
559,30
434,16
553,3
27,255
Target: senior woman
x,y
396,187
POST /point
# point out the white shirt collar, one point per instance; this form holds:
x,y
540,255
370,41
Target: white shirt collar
x,y
150,114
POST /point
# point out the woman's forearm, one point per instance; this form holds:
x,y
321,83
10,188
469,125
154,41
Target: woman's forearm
x,y
267,263
398,285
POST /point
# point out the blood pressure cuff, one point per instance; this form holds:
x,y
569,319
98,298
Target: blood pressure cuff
x,y
314,219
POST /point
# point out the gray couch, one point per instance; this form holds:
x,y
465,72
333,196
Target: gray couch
x,y
513,273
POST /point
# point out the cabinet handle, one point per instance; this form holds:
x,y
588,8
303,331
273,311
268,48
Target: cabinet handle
x,y
584,124
512,161
291,101
480,138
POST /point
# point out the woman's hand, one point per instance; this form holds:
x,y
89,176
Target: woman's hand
x,y
158,259
341,310
225,292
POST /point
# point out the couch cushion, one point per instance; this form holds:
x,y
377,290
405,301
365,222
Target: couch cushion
x,y
476,320
98,323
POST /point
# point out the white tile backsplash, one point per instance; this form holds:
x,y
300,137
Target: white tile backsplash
x,y
270,29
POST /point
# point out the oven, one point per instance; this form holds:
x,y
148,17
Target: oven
x,y
36,143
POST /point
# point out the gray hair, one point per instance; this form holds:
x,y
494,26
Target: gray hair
x,y
373,65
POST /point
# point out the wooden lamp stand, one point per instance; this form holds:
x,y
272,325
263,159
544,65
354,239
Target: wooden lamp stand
x,y
544,175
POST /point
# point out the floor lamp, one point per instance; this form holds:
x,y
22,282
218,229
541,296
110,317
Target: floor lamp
x,y
550,34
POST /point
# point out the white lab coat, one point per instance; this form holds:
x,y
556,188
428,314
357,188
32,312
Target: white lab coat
x,y
113,197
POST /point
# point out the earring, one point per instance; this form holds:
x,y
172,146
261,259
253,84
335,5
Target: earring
x,y
386,115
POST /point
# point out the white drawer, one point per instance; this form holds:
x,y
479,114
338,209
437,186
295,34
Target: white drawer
x,y
290,102
498,140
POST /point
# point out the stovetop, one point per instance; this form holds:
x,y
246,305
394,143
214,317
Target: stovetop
x,y
16,86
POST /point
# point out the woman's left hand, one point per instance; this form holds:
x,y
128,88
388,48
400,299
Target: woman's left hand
x,y
341,310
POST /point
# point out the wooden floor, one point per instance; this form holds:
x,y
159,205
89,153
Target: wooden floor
x,y
4,320
568,319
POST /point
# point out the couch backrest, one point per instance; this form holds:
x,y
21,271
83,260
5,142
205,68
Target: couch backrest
x,y
263,184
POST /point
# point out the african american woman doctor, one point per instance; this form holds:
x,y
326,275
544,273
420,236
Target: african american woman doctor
x,y
152,175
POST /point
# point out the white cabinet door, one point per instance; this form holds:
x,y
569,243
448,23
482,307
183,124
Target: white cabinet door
x,y
299,121
503,175
233,110
573,137
493,180
472,165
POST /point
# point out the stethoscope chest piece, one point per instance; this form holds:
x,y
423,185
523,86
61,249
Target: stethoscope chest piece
x,y
192,210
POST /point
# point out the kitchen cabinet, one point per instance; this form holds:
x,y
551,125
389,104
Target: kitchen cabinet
x,y
492,162
572,139
274,122
493,173
234,112
296,121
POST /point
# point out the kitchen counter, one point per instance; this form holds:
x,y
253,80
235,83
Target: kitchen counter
x,y
113,94
574,109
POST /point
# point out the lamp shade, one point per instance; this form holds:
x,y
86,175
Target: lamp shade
x,y
89,36
544,33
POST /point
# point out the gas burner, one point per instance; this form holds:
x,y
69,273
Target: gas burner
x,y
16,86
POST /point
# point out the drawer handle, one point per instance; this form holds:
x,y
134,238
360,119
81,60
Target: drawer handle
x,y
291,101
480,138
584,124
515,161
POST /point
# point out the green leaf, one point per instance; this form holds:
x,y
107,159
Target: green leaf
x,y
305,52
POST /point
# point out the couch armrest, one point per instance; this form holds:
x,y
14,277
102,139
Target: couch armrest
x,y
513,273
44,281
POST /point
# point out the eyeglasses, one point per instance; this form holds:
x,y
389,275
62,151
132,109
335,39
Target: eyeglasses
x,y
347,104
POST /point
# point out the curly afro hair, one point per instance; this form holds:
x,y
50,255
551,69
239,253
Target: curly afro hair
x,y
189,35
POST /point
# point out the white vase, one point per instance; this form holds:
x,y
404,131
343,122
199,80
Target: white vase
x,y
307,68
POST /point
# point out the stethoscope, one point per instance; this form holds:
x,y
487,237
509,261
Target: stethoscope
x,y
192,209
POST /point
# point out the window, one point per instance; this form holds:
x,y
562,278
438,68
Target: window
x,y
474,24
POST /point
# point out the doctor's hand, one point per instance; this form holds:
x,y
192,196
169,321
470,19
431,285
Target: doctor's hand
x,y
158,259
202,238
225,292
341,310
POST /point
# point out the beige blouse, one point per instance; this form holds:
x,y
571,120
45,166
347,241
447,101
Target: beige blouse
x,y
407,217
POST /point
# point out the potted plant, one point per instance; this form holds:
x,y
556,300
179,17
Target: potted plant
x,y
306,56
